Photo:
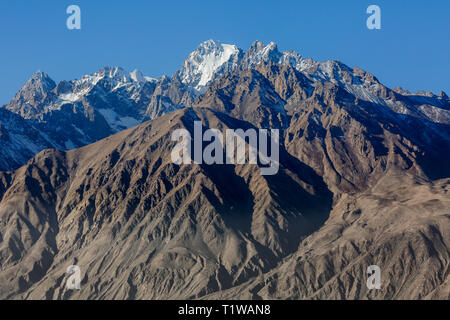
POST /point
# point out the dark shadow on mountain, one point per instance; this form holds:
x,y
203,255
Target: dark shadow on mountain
x,y
432,138
302,193
314,200
237,206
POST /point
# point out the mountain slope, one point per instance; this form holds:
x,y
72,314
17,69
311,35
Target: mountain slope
x,y
401,225
19,140
142,227
364,179
349,142
171,230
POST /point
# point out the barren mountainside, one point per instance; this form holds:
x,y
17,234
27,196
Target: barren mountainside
x,y
364,180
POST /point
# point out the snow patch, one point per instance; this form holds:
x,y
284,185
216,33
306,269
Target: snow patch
x,y
203,63
116,122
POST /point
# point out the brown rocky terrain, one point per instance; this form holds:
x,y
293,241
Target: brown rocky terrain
x,y
401,224
121,206
359,184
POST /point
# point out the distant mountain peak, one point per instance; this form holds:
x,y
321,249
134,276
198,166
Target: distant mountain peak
x,y
213,58
39,74
210,57
137,76
40,79
211,43
37,89
115,73
443,95
257,45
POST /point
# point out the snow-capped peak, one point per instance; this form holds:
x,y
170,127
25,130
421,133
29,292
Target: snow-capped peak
x,y
109,78
137,76
213,58
116,75
207,61
259,52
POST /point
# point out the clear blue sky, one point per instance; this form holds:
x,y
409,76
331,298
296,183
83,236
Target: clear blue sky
x,y
411,50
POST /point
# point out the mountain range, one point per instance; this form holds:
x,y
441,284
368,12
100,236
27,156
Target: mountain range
x,y
75,113
87,179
